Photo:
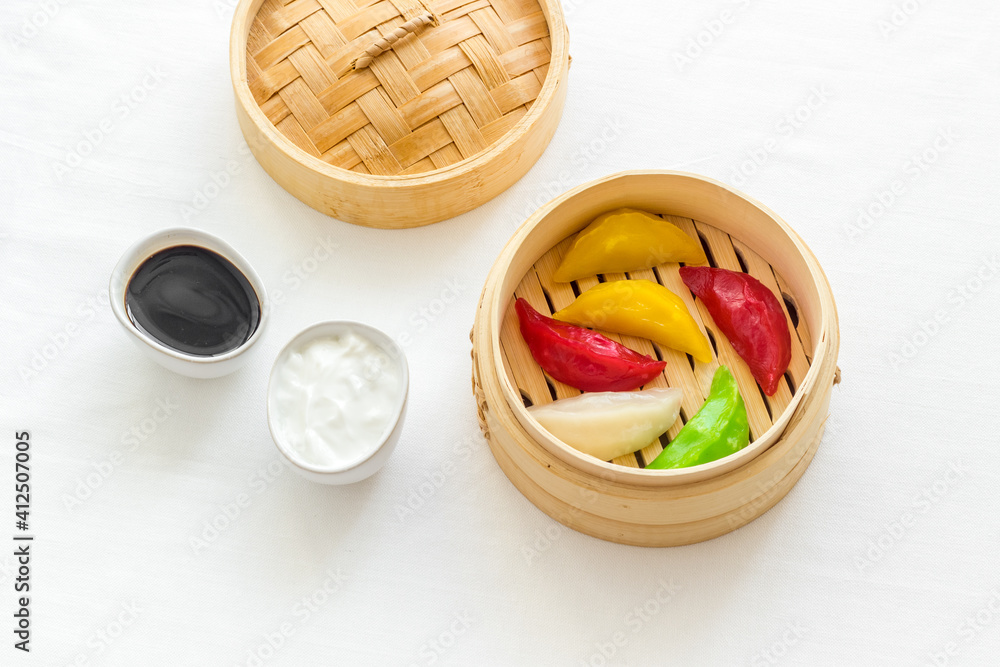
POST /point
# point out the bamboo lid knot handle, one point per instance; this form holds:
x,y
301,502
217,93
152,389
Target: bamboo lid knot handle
x,y
385,43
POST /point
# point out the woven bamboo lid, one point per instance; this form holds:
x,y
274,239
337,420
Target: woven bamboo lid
x,y
399,88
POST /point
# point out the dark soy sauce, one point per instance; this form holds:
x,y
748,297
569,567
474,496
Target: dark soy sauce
x,y
193,300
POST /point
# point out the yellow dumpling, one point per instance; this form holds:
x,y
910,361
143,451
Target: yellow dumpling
x,y
639,308
624,240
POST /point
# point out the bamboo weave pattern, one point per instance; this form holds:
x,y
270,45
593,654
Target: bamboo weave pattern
x,y
436,97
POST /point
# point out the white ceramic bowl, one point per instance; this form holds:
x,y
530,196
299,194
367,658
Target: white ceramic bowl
x,y
179,362
380,452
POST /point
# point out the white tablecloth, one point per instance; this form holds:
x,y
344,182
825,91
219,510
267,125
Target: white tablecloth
x,y
870,127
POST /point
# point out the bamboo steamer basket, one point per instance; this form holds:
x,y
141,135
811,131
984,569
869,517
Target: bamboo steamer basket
x,y
619,500
398,113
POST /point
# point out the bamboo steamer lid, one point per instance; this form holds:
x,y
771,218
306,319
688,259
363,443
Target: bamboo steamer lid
x,y
398,113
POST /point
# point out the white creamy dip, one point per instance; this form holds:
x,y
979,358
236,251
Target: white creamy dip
x,y
333,400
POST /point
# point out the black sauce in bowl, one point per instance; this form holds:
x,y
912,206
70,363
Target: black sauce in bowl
x,y
193,300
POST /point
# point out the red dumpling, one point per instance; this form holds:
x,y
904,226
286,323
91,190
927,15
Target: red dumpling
x,y
749,315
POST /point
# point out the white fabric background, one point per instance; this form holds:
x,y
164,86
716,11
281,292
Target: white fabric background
x,y
824,578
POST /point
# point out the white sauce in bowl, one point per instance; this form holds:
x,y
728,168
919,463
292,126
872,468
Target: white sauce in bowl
x,y
334,400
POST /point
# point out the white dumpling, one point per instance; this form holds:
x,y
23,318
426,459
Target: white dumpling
x,y
608,424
